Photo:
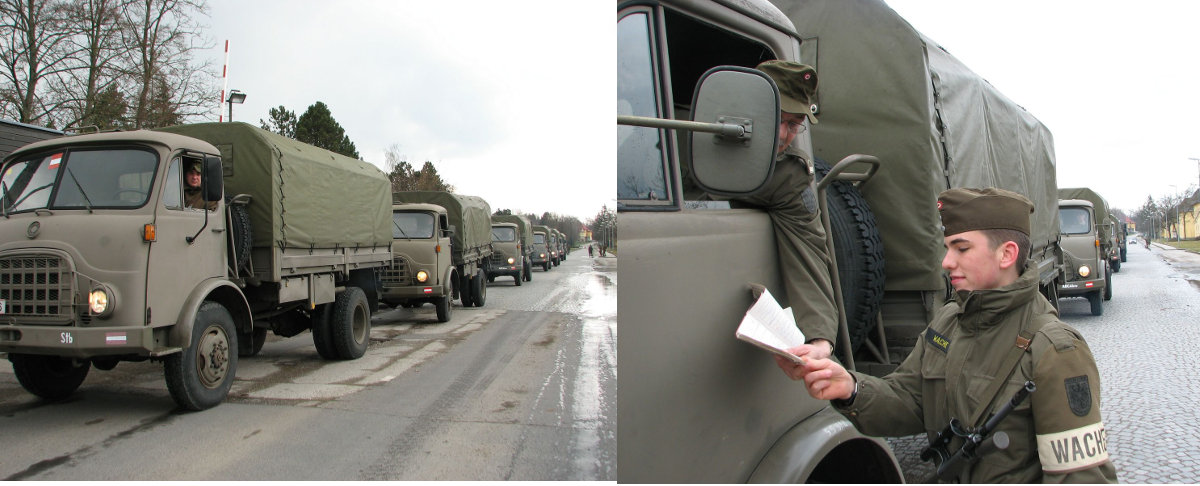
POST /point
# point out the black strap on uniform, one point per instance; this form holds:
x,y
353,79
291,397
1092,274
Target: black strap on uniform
x,y
1011,361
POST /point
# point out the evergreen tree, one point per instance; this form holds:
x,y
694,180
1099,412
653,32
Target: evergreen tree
x,y
283,122
317,127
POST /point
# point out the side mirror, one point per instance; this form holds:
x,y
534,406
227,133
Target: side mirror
x,y
448,232
215,178
735,166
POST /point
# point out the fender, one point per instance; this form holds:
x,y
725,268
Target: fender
x,y
218,290
805,447
450,284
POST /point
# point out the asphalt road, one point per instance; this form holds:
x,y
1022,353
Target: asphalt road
x,y
521,389
1146,346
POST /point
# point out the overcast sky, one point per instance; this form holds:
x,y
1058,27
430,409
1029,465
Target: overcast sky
x,y
512,107
1115,82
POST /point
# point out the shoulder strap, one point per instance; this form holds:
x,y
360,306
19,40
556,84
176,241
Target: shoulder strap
x,y
1024,339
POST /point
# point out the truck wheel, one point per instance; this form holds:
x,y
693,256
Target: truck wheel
x,y
444,308
322,339
200,376
1123,251
517,279
546,266
859,253
1097,304
479,289
1116,265
528,270
49,377
350,325
1108,285
249,344
239,232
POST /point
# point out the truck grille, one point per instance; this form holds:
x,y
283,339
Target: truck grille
x,y
39,285
396,274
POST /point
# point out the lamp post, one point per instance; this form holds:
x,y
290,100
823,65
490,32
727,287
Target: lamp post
x,y
235,96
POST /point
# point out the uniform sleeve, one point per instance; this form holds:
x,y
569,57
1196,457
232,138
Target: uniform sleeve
x,y
1072,443
889,406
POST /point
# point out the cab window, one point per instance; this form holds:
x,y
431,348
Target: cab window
x,y
642,161
504,233
1074,221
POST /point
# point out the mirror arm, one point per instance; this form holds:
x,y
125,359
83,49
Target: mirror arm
x,y
740,131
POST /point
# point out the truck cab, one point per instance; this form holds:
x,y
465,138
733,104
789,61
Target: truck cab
x,y
507,258
421,270
541,248
1086,269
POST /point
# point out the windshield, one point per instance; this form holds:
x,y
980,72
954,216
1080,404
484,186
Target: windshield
x,y
78,179
1074,221
504,233
412,225
539,238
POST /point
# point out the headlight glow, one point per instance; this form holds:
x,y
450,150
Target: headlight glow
x,y
1084,271
511,260
422,276
101,302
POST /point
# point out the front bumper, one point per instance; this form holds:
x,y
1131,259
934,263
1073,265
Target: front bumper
x,y
77,342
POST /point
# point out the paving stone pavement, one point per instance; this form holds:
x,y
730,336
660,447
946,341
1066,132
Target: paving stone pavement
x,y
1147,347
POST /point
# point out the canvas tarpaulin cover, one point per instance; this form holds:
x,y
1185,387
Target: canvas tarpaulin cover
x,y
301,196
886,90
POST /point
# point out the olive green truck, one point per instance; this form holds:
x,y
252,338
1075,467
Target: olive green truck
x,y
694,118
103,260
1091,250
442,244
512,252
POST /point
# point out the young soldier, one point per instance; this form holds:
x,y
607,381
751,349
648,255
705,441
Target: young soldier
x,y
966,365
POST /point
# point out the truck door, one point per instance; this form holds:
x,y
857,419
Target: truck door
x,y
176,266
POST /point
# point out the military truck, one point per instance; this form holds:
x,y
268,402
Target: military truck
x,y
103,260
930,124
541,248
525,233
563,246
1107,229
1088,247
507,258
446,256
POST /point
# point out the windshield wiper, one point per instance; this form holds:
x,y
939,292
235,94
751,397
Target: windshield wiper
x,y
86,201
402,233
30,193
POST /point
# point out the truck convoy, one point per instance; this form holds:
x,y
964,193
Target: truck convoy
x,y
929,124
525,241
442,244
1091,252
104,260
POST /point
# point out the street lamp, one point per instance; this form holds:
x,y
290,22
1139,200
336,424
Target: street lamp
x,y
235,96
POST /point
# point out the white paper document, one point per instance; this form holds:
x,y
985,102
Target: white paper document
x,y
771,327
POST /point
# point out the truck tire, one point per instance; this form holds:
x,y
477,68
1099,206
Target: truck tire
x,y
444,307
517,279
1108,284
49,377
350,324
546,266
322,340
528,270
249,344
239,232
1116,265
365,280
1123,252
1096,302
859,253
200,376
479,288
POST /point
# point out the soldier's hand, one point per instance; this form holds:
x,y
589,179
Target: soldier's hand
x,y
828,380
756,290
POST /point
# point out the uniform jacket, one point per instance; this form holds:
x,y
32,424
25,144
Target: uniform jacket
x,y
194,198
790,199
1056,434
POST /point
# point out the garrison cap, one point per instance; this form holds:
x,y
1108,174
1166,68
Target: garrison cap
x,y
965,209
797,83
195,166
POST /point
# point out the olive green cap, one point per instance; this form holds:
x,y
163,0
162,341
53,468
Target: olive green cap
x,y
797,83
195,167
965,209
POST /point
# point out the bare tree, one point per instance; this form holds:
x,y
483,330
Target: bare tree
x,y
34,47
91,91
168,84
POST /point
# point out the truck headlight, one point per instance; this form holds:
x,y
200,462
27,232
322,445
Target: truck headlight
x,y
422,276
1084,271
511,260
101,301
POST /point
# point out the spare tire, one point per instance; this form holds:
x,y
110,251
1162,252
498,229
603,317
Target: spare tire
x,y
859,253
239,233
